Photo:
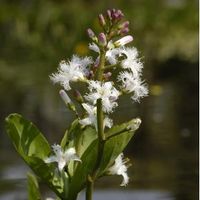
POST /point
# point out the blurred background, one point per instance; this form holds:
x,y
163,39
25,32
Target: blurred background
x,y
36,34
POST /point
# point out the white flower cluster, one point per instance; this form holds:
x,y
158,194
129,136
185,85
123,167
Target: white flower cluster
x,y
74,70
108,95
104,91
131,78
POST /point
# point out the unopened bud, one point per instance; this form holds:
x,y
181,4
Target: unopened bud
x,y
134,124
78,96
102,20
113,12
117,15
125,40
124,31
102,39
65,97
124,25
91,34
67,100
96,63
109,15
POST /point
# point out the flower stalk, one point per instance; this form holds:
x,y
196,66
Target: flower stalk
x,y
100,69
89,188
100,130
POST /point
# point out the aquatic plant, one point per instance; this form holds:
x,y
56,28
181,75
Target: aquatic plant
x,y
92,146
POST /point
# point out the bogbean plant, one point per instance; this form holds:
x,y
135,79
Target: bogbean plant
x,y
92,146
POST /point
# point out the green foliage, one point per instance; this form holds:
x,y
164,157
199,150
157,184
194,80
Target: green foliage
x,y
33,188
80,176
79,137
33,148
27,139
113,147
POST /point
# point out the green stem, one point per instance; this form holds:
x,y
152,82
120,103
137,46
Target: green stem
x,y
100,119
100,129
89,188
99,73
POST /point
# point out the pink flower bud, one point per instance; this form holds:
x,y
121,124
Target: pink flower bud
x,y
90,33
109,15
124,31
102,20
78,96
124,24
117,15
102,39
96,63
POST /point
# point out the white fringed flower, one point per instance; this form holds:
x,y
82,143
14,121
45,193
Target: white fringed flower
x,y
119,168
130,83
91,119
104,91
62,157
112,55
74,70
140,91
132,61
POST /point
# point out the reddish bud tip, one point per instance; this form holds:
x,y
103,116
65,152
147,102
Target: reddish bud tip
x,y
102,39
90,33
102,20
109,15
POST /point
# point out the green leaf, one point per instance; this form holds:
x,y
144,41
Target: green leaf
x,y
113,147
33,148
33,188
79,137
117,129
74,130
64,140
119,137
86,137
26,138
80,176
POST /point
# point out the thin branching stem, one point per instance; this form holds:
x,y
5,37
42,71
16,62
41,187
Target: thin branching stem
x,y
100,130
